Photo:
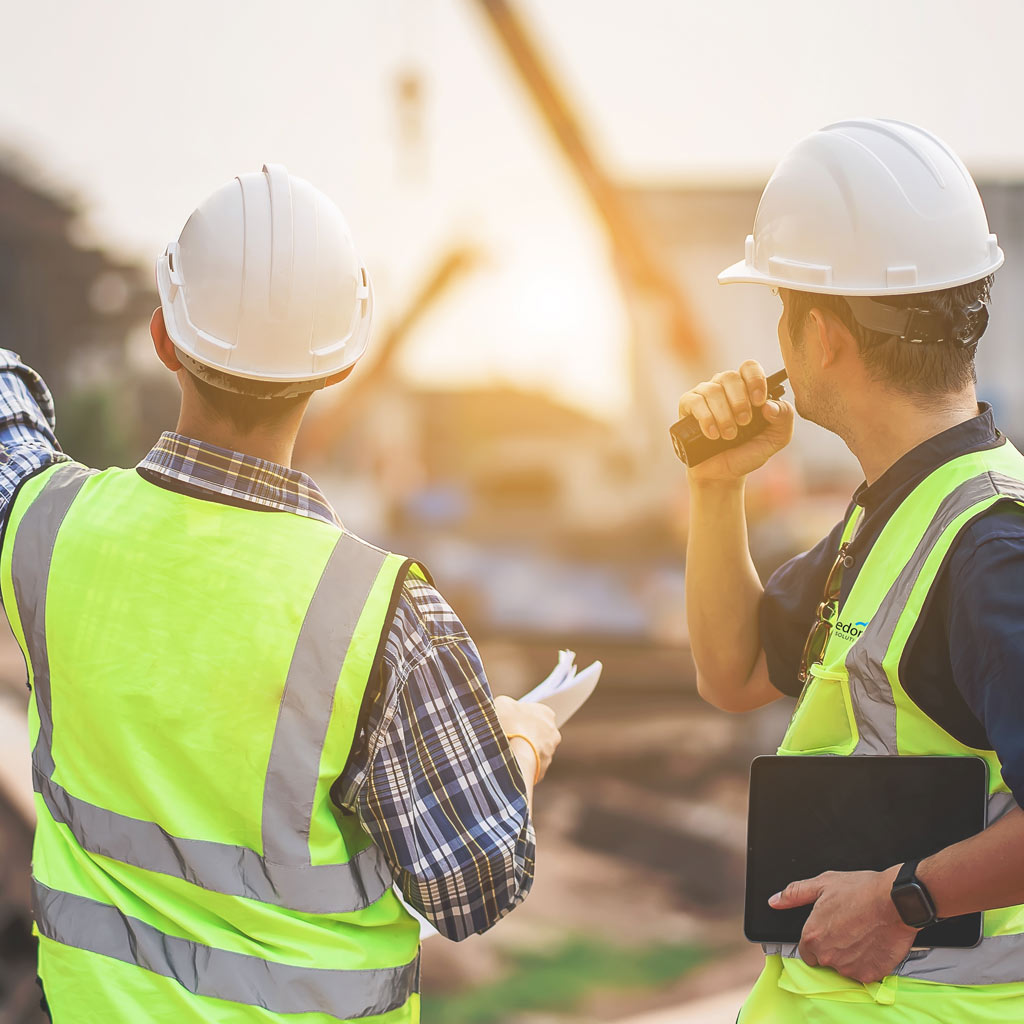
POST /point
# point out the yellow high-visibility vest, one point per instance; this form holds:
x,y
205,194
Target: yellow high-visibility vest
x,y
197,671
854,704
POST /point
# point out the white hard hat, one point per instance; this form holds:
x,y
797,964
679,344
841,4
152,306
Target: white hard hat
x,y
869,207
264,284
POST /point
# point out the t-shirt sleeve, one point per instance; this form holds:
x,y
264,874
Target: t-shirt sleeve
x,y
787,609
986,633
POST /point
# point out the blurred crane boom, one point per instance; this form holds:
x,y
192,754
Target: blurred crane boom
x,y
326,426
639,256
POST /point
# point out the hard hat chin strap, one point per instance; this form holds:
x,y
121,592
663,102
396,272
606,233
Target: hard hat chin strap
x,y
920,326
245,386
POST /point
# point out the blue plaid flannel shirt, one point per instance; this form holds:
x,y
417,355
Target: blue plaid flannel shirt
x,y
431,775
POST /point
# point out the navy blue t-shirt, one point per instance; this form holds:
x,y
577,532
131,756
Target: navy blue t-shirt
x,y
964,663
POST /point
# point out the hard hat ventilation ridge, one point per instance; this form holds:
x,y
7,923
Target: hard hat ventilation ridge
x,y
264,288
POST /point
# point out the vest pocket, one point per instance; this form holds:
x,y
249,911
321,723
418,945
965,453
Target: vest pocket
x,y
823,722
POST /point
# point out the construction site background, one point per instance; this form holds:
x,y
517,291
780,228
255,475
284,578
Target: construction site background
x,y
548,520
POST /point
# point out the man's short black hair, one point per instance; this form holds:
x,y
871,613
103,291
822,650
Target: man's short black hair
x,y
924,370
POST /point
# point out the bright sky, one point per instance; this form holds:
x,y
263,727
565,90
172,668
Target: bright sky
x,y
142,109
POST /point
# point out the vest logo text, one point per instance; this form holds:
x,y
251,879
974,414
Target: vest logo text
x,y
849,631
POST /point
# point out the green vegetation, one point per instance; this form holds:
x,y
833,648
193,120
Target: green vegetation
x,y
560,979
91,427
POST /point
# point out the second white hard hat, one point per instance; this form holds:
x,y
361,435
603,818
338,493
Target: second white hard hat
x,y
868,207
264,284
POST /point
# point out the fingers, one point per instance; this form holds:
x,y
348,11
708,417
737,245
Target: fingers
x,y
738,398
712,405
807,954
780,418
695,405
548,753
757,384
811,946
726,402
798,894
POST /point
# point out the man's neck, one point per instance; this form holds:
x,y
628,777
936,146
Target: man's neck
x,y
892,425
261,445
273,442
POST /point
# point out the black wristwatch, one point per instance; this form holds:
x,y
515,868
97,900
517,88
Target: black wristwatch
x,y
912,900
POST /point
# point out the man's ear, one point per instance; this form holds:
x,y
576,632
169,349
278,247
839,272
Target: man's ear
x,y
830,336
162,342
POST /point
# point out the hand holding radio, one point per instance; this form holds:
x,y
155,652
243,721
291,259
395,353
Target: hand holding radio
x,y
733,423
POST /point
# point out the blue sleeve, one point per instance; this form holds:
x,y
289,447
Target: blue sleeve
x,y
791,596
27,440
986,633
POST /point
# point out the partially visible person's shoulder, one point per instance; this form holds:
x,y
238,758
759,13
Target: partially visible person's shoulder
x,y
1002,521
431,609
989,550
423,621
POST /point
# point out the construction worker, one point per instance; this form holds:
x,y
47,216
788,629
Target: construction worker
x,y
248,725
877,241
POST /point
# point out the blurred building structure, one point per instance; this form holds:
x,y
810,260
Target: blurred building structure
x,y
539,518
67,309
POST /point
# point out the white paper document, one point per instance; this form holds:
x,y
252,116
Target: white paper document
x,y
566,690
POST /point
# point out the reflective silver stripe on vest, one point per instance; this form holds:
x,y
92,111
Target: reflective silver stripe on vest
x,y
30,565
783,949
997,959
998,805
327,630
293,770
218,867
870,692
206,971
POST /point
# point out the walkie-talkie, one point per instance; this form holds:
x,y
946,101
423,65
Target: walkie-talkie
x,y
693,447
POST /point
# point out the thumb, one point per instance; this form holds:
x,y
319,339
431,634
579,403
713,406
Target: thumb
x,y
798,894
774,411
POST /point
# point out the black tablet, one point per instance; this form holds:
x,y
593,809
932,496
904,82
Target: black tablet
x,y
814,814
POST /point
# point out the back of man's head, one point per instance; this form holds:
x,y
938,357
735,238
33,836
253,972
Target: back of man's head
x,y
264,297
931,369
879,224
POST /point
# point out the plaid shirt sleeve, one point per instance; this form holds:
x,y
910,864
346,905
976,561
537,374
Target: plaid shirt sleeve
x,y
27,441
432,777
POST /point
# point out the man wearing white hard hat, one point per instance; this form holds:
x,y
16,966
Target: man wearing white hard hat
x,y
901,631
248,725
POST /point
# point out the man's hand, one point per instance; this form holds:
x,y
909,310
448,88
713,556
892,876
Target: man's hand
x,y
724,404
537,723
854,927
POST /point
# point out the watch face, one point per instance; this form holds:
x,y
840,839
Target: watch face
x,y
912,905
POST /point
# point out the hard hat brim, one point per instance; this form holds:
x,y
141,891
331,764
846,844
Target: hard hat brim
x,y
188,338
741,272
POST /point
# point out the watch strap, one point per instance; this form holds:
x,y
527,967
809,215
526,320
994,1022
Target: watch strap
x,y
906,877
908,873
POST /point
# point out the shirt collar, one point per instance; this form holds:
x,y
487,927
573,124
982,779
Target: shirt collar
x,y
246,478
975,434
